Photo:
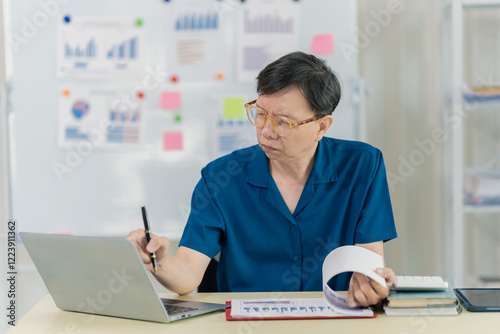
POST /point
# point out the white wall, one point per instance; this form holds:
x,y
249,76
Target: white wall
x,y
400,61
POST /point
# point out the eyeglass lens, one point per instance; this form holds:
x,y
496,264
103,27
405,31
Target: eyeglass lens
x,y
258,117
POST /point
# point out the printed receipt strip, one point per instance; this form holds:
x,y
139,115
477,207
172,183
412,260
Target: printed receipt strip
x,y
333,305
349,259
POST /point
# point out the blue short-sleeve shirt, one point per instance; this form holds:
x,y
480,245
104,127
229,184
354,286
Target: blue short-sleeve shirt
x,y
237,209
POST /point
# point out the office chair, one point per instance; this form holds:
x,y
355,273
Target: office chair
x,y
209,281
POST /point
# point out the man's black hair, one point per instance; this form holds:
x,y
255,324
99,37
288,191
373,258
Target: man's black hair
x,y
314,78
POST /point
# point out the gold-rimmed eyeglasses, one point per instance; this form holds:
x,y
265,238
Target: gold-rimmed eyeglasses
x,y
281,124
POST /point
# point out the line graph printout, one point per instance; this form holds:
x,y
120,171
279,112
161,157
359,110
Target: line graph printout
x,y
266,31
99,47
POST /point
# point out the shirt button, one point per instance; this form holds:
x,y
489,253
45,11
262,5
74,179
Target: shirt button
x,y
295,258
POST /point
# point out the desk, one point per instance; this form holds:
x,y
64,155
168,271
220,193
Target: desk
x,y
45,317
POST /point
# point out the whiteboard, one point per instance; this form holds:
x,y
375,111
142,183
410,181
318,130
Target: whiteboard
x,y
101,190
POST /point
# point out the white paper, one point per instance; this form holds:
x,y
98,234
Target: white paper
x,y
341,259
99,47
349,259
266,31
294,307
196,38
98,118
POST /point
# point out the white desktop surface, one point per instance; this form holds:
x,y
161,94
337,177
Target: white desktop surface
x,y
45,317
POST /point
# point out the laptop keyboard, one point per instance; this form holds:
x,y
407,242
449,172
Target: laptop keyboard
x,y
174,309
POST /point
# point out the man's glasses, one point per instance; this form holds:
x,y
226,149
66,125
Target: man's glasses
x,y
281,124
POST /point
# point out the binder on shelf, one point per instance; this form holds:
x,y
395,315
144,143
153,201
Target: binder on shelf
x,y
482,184
481,94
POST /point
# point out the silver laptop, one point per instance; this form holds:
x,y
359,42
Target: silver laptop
x,y
104,276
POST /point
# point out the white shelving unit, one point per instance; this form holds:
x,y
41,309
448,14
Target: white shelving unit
x,y
456,245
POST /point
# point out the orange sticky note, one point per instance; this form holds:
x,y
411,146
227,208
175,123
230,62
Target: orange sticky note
x,y
172,141
322,44
170,100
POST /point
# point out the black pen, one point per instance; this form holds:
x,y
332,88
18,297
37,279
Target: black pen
x,y
148,236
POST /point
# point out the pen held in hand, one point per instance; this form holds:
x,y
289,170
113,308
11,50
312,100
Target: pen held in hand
x,y
148,236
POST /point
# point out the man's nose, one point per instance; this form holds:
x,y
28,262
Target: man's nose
x,y
268,130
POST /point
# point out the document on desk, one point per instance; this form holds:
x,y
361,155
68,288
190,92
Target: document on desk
x,y
290,308
333,305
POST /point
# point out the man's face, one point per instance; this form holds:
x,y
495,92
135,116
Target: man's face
x,y
303,140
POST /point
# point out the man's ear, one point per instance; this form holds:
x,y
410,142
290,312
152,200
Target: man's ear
x,y
324,124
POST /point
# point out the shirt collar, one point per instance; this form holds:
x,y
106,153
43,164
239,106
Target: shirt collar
x,y
324,169
258,170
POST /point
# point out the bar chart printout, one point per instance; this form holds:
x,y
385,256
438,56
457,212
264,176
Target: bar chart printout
x,y
98,118
196,36
99,47
266,31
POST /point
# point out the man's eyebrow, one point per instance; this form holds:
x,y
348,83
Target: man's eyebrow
x,y
260,107
277,114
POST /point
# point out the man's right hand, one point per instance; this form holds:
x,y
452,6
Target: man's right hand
x,y
180,273
157,245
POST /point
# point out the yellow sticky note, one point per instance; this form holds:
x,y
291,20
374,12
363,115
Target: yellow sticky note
x,y
234,108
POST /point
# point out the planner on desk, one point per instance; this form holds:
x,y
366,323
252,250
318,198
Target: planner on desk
x,y
333,305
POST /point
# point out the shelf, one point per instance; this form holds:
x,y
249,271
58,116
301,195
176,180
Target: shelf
x,y
461,98
481,208
480,3
482,95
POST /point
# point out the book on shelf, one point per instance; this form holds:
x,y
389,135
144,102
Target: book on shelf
x,y
481,94
482,184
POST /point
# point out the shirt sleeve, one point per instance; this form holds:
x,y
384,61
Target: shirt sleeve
x,y
204,231
376,221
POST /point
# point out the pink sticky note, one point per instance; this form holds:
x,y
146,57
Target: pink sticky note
x,y
322,44
172,141
170,100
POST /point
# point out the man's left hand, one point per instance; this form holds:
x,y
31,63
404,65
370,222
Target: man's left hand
x,y
364,291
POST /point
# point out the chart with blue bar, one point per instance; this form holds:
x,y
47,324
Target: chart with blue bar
x,y
87,51
195,33
197,21
102,47
100,117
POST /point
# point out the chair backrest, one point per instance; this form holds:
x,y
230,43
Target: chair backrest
x,y
209,281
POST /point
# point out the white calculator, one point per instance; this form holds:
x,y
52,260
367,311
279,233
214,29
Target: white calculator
x,y
420,283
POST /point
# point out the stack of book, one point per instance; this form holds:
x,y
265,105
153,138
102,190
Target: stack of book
x,y
422,303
